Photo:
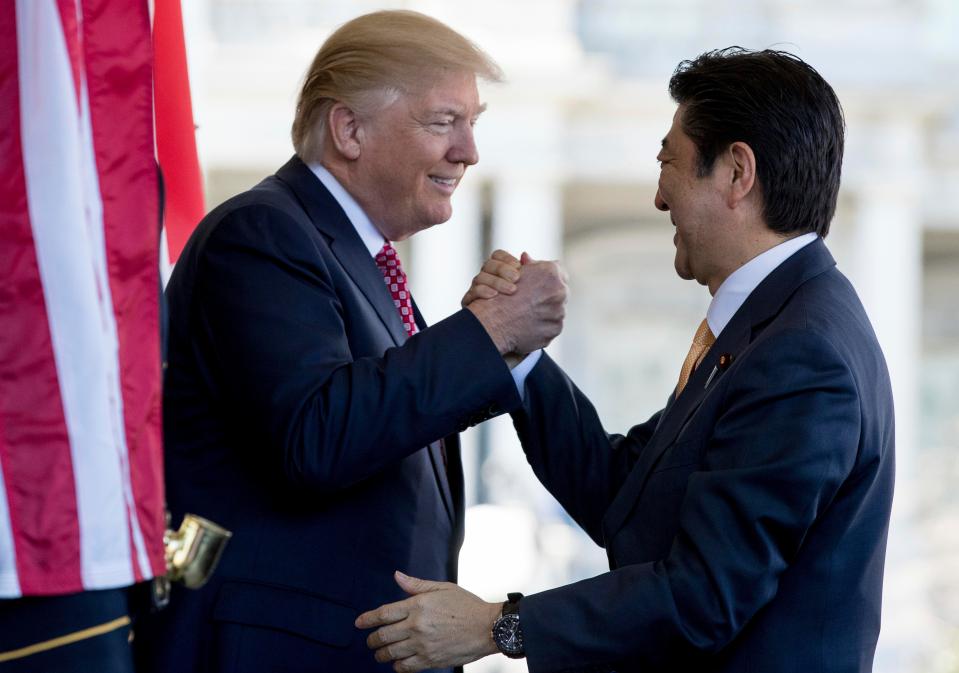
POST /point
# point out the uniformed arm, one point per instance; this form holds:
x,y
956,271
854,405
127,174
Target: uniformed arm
x,y
783,445
266,312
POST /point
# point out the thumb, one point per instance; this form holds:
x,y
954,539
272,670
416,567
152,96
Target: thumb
x,y
414,585
526,259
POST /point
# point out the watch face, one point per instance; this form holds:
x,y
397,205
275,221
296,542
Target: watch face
x,y
508,635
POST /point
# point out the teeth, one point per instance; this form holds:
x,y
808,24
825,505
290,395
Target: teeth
x,y
449,182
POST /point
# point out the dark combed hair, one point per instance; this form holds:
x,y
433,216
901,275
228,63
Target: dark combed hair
x,y
785,111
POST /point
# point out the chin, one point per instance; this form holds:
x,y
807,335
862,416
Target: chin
x,y
441,214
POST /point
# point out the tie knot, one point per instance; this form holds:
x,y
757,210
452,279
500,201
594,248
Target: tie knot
x,y
387,256
704,336
702,342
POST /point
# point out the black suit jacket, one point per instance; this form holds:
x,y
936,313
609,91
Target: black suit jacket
x,y
296,415
745,523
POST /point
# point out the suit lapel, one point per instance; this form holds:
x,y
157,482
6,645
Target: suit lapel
x,y
328,217
346,244
759,308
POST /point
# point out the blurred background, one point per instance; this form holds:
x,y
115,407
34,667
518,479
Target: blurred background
x,y
568,171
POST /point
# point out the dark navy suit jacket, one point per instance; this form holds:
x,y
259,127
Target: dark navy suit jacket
x,y
745,523
296,413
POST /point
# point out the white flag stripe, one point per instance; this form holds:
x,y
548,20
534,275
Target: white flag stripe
x,y
57,148
9,582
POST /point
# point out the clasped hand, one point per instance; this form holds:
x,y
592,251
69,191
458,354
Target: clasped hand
x,y
521,302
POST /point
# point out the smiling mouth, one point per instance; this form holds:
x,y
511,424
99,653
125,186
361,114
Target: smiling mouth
x,y
449,183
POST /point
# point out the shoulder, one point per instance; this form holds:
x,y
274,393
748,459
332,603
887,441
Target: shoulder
x,y
267,217
269,201
827,316
256,234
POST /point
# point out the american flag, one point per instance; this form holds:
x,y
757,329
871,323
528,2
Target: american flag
x,y
81,473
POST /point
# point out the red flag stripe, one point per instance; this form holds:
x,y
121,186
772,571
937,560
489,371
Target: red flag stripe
x,y
176,139
32,415
121,111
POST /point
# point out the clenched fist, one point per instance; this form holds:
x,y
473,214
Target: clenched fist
x,y
520,303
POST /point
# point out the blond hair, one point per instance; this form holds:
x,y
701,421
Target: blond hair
x,y
369,61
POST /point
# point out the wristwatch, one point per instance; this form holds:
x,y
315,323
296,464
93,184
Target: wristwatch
x,y
507,631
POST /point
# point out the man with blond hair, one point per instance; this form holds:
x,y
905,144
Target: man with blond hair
x,y
307,406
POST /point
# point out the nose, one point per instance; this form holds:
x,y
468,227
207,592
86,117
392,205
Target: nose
x,y
660,201
463,149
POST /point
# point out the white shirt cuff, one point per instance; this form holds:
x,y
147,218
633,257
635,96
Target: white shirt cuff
x,y
522,370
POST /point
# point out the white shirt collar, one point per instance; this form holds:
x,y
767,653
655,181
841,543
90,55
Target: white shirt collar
x,y
741,282
369,234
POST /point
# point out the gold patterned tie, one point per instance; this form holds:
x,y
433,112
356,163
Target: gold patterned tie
x,y
703,340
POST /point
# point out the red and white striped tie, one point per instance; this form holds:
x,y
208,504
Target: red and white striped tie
x,y
388,262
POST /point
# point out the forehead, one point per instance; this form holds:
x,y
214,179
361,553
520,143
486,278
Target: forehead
x,y
676,141
455,92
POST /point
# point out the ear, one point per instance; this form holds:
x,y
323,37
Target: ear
x,y
344,130
743,178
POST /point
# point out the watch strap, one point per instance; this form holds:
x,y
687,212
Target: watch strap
x,y
511,606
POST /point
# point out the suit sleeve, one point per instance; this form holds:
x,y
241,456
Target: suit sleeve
x,y
580,464
784,442
268,317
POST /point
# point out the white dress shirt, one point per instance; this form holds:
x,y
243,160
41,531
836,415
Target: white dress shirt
x,y
741,282
373,239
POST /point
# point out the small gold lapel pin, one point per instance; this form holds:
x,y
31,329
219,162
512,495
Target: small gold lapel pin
x,y
722,365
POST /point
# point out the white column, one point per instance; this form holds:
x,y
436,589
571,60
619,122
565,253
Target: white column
x,y
527,215
886,255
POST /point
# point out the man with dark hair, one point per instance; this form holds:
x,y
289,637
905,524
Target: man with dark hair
x,y
746,522
787,114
